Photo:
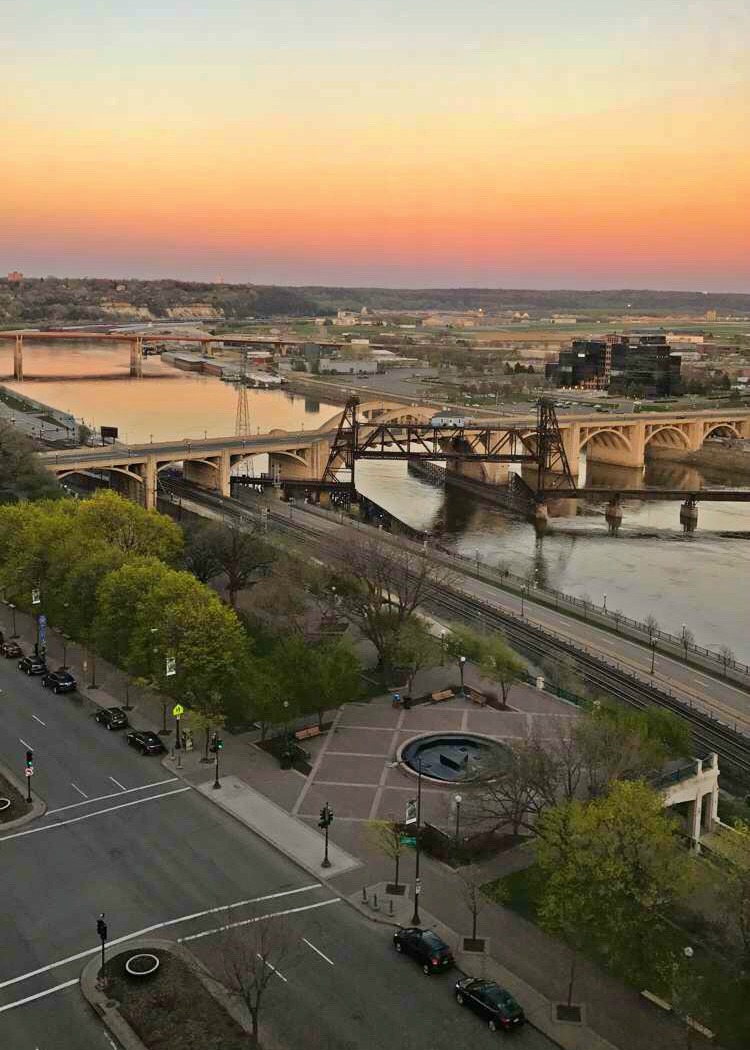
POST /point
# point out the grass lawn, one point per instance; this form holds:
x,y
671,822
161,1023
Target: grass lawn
x,y
724,995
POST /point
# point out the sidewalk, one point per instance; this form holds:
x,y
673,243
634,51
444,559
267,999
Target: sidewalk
x,y
264,797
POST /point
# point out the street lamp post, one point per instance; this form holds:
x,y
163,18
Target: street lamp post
x,y
605,603
415,919
461,665
442,648
12,608
458,800
653,654
524,592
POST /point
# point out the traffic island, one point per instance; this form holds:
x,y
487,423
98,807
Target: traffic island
x,y
15,810
156,995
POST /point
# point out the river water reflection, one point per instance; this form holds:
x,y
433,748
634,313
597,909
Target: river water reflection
x,y
699,580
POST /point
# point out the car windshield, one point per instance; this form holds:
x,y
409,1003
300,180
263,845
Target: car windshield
x,y
433,941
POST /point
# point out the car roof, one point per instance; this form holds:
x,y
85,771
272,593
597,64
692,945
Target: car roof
x,y
430,937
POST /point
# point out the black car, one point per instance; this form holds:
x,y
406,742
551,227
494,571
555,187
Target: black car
x,y
145,741
32,665
425,946
111,717
59,681
493,1004
10,650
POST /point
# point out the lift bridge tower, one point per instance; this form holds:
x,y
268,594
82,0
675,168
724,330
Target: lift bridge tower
x,y
242,418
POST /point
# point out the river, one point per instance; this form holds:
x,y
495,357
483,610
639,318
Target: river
x,y
651,567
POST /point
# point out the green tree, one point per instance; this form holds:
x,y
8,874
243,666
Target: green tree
x,y
124,524
610,869
501,665
119,600
22,474
415,647
317,678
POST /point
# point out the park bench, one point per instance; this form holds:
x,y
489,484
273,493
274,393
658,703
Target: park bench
x,y
446,694
305,734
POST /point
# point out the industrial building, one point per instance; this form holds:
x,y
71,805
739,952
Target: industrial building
x,y
641,364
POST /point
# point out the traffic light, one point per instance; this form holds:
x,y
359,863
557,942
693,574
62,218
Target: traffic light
x,y
29,759
326,817
217,743
101,927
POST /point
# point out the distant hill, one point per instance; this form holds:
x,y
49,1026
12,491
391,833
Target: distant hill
x,y
536,302
70,300
58,300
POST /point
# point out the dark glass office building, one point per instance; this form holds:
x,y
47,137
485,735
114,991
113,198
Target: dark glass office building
x,y
641,365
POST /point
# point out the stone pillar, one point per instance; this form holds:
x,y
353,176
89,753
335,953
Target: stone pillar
x,y
18,358
694,820
225,474
149,483
136,357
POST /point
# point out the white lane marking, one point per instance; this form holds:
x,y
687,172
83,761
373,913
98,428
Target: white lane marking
x,y
87,816
39,995
78,789
41,723
27,746
159,926
320,953
121,786
115,794
272,968
256,918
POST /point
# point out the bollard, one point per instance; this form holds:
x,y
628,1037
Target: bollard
x,y
375,902
364,895
390,909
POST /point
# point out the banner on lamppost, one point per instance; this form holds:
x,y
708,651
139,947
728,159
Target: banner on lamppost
x,y
36,596
42,629
411,811
171,667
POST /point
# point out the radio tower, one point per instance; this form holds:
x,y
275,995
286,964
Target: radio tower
x,y
242,419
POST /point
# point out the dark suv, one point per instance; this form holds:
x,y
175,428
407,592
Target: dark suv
x,y
493,1004
61,681
425,946
32,665
10,650
111,717
145,741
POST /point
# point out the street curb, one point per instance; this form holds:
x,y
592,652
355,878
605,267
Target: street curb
x,y
108,1009
38,805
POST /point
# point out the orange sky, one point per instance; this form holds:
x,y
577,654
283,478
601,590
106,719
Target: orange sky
x,y
587,150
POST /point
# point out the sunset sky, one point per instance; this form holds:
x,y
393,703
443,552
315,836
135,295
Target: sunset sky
x,y
515,143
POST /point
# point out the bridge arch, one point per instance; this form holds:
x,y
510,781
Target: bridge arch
x,y
667,436
721,430
604,437
112,470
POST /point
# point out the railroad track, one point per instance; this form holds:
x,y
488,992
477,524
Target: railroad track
x,y
708,733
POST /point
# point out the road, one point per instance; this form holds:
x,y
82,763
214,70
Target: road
x,y
156,856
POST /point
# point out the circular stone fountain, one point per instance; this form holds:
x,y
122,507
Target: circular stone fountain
x,y
454,757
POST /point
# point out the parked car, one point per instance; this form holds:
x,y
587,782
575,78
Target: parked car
x,y
424,946
32,665
10,650
145,741
111,717
61,681
494,1004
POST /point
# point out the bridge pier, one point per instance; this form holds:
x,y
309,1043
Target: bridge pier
x,y
689,515
18,359
136,357
613,515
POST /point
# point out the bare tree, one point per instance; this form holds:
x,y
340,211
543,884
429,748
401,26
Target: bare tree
x,y
687,639
386,836
381,587
474,899
242,554
508,794
727,656
415,648
248,959
652,626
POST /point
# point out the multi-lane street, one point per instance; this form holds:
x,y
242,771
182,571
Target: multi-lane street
x,y
126,837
